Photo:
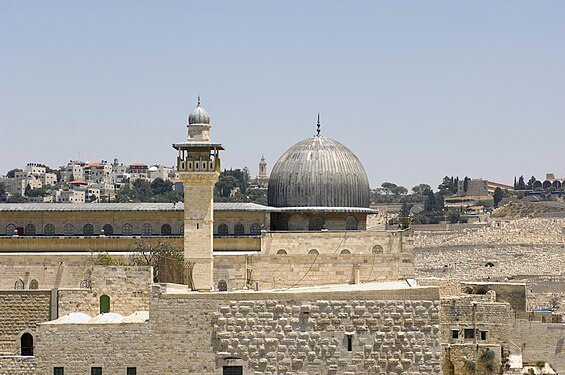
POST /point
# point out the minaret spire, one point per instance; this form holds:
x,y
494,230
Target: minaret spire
x,y
198,100
318,125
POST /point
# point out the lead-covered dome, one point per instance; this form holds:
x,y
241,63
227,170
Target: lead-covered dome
x,y
199,116
318,172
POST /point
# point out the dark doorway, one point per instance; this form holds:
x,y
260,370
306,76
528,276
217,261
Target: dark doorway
x,y
233,370
26,344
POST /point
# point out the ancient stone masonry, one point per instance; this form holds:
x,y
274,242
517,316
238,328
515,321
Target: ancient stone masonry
x,y
10,365
326,336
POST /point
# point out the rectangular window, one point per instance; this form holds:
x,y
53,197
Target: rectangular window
x,y
483,335
58,371
469,333
349,343
233,370
96,371
131,371
454,334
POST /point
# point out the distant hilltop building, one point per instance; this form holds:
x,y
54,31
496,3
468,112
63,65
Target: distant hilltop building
x,y
478,187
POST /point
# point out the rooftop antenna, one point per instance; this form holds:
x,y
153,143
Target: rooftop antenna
x,y
318,130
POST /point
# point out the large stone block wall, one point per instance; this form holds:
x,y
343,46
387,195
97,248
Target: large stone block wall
x,y
21,311
540,342
129,289
393,331
16,365
485,359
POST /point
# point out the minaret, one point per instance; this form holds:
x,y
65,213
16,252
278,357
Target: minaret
x,y
198,165
263,169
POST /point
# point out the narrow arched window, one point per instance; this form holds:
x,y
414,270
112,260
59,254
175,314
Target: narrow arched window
x,y
255,229
88,230
345,252
281,252
33,284
223,230
127,230
313,252
26,344
166,230
29,230
377,249
10,229
222,286
350,223
316,223
181,229
104,304
19,285
68,229
49,230
146,230
239,229
108,229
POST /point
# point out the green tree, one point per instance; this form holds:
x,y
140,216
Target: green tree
x,y
148,253
39,192
421,189
430,204
225,185
160,186
16,198
521,185
497,196
466,184
12,173
2,191
405,209
530,185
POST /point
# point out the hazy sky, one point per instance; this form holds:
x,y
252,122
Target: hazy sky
x,y
416,89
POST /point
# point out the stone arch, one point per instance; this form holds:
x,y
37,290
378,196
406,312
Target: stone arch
x,y
49,230
29,230
104,304
281,252
19,284
127,229
537,185
146,229
222,286
88,230
26,344
85,284
377,249
556,184
345,252
108,229
255,228
239,229
223,229
313,252
68,229
316,223
546,184
166,230
351,223
33,284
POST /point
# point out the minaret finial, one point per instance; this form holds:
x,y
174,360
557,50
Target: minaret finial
x,y
198,99
318,125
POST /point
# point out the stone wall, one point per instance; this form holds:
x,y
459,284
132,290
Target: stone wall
x,y
392,330
460,358
21,311
540,342
129,289
12,365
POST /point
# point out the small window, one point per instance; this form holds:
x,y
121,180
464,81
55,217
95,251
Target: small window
x,y
127,229
281,252
222,286
33,284
313,252
316,223
85,284
166,230
469,333
232,370
303,320
349,343
181,229
377,249
58,371
350,223
29,230
104,304
96,371
255,229
223,230
239,229
454,334
146,230
131,371
345,252
49,230
26,344
88,230
484,335
68,229
10,229
19,285
108,231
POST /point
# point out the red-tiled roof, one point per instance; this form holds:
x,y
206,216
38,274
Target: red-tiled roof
x,y
78,182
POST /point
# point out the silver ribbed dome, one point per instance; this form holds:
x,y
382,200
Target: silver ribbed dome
x,y
199,115
318,172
